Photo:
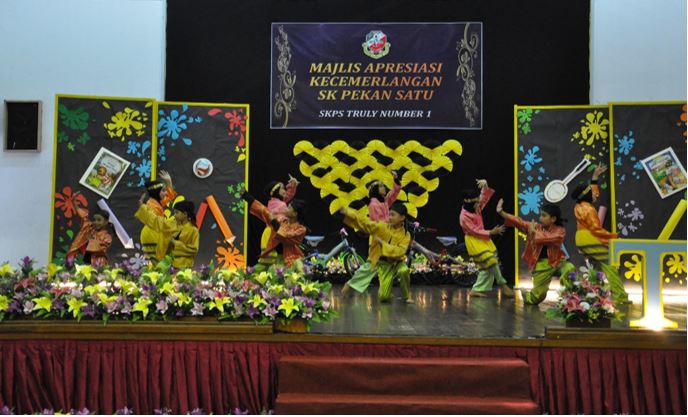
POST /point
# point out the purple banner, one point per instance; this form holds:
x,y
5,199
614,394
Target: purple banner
x,y
376,75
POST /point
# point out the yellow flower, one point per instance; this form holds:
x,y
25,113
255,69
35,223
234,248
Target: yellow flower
x,y
307,288
153,276
84,270
6,269
182,299
75,305
227,274
142,306
277,289
92,289
185,275
167,288
288,305
52,269
257,301
218,304
114,273
4,302
43,303
676,265
104,299
262,278
293,277
129,288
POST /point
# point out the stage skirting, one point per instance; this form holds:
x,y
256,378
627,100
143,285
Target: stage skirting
x,y
220,376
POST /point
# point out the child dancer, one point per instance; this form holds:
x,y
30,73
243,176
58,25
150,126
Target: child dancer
x,y
279,197
543,253
478,242
592,239
286,232
388,256
381,199
93,239
180,233
160,193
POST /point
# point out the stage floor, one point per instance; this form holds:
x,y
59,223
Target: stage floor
x,y
447,311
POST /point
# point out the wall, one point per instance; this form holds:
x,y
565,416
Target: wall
x,y
94,47
637,50
116,48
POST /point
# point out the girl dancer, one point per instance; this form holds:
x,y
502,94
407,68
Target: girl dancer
x,y
478,242
592,239
543,253
160,193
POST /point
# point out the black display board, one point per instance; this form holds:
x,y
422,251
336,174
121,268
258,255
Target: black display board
x,y
534,52
84,126
642,130
550,143
218,133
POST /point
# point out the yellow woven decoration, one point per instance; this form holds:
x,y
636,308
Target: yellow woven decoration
x,y
339,164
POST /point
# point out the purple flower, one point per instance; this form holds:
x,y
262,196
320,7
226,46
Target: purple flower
x,y
239,412
124,411
270,311
253,312
83,412
6,411
572,276
197,412
111,306
89,311
197,309
280,271
161,306
162,411
179,313
250,269
308,302
47,412
59,304
126,307
326,304
14,307
204,269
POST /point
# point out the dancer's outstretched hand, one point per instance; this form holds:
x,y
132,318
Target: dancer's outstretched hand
x,y
500,206
599,170
143,198
166,177
482,183
498,230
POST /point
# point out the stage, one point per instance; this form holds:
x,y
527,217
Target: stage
x,y
221,366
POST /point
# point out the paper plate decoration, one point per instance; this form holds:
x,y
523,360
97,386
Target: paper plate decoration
x,y
202,168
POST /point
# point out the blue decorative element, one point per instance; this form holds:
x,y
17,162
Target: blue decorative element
x,y
625,143
530,200
172,126
530,158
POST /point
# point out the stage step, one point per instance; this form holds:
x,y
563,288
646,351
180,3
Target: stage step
x,y
338,385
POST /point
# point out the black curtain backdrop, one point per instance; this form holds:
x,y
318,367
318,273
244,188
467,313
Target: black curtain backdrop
x,y
534,52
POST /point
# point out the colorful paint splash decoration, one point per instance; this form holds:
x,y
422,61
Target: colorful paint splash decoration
x,y
236,120
76,120
533,177
674,268
626,163
525,116
633,267
129,125
593,134
65,209
237,204
229,256
629,218
172,126
343,173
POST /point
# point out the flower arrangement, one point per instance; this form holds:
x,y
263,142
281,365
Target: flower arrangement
x,y
130,291
458,266
585,297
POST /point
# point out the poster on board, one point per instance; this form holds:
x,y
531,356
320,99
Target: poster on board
x,y
666,172
104,172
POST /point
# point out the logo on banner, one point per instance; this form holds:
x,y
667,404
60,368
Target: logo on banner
x,y
376,45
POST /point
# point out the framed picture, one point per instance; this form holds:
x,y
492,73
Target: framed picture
x,y
23,126
104,173
666,172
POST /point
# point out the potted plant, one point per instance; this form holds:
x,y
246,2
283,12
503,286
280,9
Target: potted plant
x,y
585,300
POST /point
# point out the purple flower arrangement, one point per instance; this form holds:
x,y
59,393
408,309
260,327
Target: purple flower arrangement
x,y
158,292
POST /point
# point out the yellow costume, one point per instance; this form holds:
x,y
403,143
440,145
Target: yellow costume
x,y
185,236
154,245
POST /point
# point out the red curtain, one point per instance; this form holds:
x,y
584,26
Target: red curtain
x,y
218,377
